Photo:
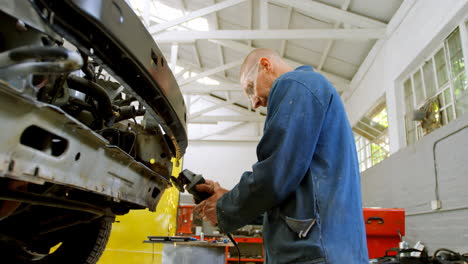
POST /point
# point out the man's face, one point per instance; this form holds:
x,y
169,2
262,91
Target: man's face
x,y
256,82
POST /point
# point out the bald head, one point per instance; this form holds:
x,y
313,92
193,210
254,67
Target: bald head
x,y
255,55
258,73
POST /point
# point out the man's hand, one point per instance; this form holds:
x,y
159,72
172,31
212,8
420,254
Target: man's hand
x,y
207,208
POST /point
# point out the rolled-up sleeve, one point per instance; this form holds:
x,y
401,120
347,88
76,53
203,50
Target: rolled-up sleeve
x,y
293,126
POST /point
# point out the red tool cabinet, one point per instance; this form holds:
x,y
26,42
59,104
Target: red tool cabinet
x,y
185,220
383,229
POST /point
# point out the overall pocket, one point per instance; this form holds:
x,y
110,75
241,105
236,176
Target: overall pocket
x,y
291,240
300,227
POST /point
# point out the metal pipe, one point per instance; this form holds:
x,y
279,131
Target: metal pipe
x,y
125,102
25,68
86,69
94,90
438,211
17,55
127,112
42,52
436,177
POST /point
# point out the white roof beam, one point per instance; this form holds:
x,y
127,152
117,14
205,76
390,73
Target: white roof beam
x,y
221,130
340,82
174,52
210,108
216,119
195,14
188,102
181,73
196,100
215,26
250,18
330,43
204,89
401,14
283,42
146,13
241,110
316,9
196,53
191,36
227,138
211,72
184,6
362,71
263,12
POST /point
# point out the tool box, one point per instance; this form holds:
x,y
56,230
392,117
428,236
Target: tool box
x,y
185,220
384,228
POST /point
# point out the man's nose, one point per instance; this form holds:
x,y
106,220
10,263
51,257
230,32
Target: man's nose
x,y
256,102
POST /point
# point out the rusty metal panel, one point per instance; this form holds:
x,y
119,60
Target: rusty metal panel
x,y
88,163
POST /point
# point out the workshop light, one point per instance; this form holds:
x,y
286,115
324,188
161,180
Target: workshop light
x,y
152,161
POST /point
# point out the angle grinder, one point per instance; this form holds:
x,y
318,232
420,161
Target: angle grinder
x,y
187,180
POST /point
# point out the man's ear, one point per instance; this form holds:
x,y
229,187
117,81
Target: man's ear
x,y
266,64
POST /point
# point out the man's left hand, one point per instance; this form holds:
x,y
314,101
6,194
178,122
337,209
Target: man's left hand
x,y
207,208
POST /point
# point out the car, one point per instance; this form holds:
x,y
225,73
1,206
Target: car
x,y
92,119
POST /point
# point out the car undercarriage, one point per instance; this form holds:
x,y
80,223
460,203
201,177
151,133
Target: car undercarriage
x,y
91,118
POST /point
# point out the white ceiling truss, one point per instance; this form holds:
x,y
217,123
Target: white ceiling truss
x,y
210,72
317,9
200,89
331,42
338,81
288,34
206,61
199,13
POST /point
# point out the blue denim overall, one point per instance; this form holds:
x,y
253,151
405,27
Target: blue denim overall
x,y
306,179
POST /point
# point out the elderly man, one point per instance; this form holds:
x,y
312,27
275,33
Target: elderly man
x,y
306,178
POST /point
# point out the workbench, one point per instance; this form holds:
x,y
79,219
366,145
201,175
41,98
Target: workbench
x,y
192,252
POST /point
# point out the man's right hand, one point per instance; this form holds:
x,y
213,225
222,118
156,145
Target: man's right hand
x,y
207,208
207,187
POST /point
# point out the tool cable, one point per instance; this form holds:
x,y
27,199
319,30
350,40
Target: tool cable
x,y
236,245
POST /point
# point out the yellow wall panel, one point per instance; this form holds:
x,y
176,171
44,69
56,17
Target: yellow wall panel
x,y
128,232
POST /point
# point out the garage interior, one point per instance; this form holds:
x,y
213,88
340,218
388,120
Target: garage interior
x,y
388,47
399,67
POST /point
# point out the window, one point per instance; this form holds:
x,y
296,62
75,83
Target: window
x,y
436,93
371,136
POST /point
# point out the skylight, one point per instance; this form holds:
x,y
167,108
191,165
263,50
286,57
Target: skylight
x,y
163,13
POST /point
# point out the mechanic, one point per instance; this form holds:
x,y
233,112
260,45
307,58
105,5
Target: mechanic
x,y
307,176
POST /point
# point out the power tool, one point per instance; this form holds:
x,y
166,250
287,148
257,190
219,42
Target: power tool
x,y
187,180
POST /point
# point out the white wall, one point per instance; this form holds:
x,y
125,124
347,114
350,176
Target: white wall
x,y
432,169
222,161
412,177
414,32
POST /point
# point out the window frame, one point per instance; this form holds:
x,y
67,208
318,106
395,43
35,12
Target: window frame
x,y
366,157
440,89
